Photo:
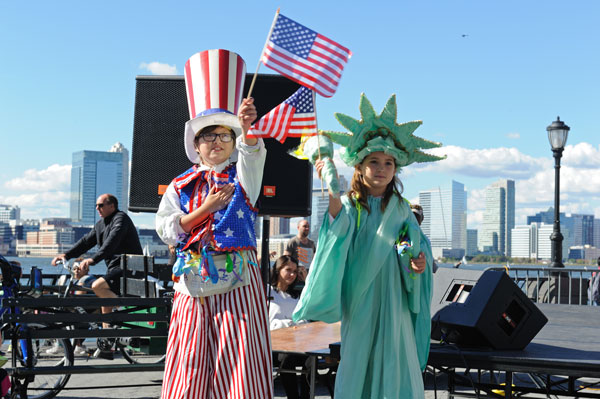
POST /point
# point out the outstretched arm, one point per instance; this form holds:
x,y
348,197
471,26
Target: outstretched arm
x,y
247,115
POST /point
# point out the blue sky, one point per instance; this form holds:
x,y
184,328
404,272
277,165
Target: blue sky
x,y
486,78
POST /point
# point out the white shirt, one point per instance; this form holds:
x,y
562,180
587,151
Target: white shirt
x,y
281,309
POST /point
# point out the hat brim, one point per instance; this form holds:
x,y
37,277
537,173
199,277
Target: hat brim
x,y
193,126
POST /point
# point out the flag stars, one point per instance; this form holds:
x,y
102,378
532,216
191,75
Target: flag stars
x,y
228,233
293,37
240,214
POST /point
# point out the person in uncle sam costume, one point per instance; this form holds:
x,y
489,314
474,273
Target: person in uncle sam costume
x,y
372,268
219,344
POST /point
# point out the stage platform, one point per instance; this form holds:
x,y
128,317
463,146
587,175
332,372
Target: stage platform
x,y
567,347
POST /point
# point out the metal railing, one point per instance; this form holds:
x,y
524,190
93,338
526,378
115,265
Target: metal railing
x,y
544,284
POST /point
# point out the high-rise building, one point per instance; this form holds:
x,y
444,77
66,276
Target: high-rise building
x,y
524,241
596,238
9,212
320,204
533,241
544,249
582,229
119,148
94,173
471,242
498,218
279,226
546,217
445,217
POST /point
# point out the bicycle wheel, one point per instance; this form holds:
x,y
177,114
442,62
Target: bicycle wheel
x,y
143,350
44,353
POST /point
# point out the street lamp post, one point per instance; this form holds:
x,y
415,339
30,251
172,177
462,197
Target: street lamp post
x,y
557,135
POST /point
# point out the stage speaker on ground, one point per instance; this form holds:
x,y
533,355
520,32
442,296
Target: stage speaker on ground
x,y
486,309
158,153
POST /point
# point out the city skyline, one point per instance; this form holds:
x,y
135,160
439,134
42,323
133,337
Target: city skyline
x,y
94,173
486,92
445,217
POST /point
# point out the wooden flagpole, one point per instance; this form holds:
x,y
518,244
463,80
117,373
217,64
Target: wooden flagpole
x,y
261,54
318,141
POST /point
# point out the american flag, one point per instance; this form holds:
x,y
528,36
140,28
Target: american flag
x,y
305,56
294,117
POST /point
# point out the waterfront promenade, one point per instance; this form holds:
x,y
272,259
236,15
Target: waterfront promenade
x,y
78,386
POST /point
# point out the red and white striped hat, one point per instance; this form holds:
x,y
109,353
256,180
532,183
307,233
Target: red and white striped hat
x,y
214,82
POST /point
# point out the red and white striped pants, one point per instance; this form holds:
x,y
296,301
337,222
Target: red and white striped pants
x,y
221,347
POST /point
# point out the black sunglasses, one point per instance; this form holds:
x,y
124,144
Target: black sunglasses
x,y
99,206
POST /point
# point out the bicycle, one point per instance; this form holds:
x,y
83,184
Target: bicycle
x,y
136,350
30,352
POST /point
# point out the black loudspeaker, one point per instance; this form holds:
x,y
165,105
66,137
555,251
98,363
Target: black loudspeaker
x,y
484,310
158,153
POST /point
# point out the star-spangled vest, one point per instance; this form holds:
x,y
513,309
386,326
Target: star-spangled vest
x,y
231,228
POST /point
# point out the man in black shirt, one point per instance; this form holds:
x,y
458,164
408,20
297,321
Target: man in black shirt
x,y
115,234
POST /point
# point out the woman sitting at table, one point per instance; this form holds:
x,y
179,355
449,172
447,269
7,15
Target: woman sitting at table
x,y
283,300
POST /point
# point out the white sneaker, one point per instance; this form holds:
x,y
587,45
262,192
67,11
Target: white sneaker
x,y
55,349
80,350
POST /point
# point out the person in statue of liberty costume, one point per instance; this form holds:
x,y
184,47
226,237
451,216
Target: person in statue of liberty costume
x,y
372,269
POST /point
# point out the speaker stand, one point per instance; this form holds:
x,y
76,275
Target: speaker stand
x,y
264,251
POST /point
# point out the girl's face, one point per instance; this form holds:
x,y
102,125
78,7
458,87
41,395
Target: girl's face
x,y
215,152
288,273
377,170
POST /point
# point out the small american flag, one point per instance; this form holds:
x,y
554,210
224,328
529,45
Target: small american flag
x,y
294,117
305,56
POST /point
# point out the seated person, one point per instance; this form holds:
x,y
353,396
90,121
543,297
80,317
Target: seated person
x,y
82,279
284,298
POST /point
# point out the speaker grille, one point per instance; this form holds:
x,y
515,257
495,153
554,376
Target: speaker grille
x,y
158,153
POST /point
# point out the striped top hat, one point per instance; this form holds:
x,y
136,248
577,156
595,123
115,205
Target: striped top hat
x,y
214,82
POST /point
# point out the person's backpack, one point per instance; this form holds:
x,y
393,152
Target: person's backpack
x,y
594,289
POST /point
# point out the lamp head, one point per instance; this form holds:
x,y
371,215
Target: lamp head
x,y
557,134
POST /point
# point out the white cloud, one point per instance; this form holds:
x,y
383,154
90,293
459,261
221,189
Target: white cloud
x,y
513,135
581,155
158,68
475,219
40,205
475,208
54,177
45,193
40,193
576,185
504,163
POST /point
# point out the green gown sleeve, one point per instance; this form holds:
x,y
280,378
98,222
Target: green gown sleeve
x,y
419,290
322,296
422,320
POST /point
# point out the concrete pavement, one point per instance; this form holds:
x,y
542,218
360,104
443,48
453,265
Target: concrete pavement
x,y
118,385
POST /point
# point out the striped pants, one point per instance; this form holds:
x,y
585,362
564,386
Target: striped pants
x,y
221,347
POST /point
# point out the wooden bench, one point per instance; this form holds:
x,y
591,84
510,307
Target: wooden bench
x,y
144,310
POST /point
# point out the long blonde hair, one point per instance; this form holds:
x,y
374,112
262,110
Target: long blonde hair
x,y
359,192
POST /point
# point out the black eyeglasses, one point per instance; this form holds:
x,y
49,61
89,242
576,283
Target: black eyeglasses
x,y
99,206
210,137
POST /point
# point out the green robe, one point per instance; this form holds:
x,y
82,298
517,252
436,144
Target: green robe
x,y
358,278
